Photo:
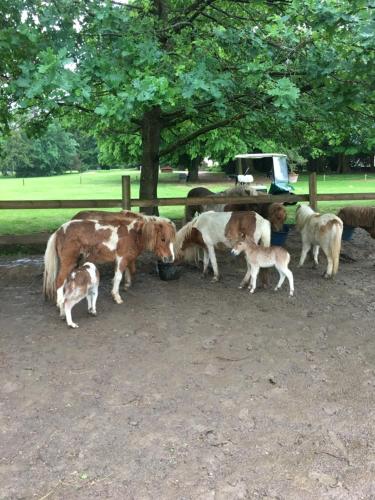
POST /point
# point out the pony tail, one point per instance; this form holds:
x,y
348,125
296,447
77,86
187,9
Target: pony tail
x,y
266,233
50,268
336,245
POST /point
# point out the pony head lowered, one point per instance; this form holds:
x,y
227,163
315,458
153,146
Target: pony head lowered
x,y
277,216
188,242
158,234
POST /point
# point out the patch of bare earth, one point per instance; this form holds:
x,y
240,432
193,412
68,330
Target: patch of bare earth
x,y
192,390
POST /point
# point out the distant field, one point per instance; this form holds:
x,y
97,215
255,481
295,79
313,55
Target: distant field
x,y
107,184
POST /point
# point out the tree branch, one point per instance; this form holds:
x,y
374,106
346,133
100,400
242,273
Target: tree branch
x,y
199,132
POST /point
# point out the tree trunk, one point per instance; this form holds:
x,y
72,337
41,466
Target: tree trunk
x,y
151,130
193,169
343,164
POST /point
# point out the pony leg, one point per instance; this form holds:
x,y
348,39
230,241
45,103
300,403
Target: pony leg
x,y
253,281
316,255
305,251
246,278
206,261
129,271
212,256
91,300
68,306
120,267
281,279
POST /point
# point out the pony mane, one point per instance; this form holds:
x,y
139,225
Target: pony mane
x,y
183,234
238,190
303,212
152,227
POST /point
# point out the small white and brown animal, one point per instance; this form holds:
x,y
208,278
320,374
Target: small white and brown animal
x,y
81,282
258,257
320,230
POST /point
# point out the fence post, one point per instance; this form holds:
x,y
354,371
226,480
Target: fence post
x,y
313,191
126,192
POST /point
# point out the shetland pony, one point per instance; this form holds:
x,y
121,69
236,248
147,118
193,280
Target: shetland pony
x,y
356,216
210,229
82,282
239,190
258,257
320,231
108,217
120,242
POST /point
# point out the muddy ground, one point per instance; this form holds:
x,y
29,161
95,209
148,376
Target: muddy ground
x,y
192,390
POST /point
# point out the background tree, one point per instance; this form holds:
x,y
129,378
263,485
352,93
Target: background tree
x,y
156,75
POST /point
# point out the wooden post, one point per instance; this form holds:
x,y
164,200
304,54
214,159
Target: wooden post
x,y
126,192
313,191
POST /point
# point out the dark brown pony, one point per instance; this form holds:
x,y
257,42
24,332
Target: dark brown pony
x,y
120,242
239,190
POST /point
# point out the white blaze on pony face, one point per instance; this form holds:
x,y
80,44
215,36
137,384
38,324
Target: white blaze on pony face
x,y
112,241
172,251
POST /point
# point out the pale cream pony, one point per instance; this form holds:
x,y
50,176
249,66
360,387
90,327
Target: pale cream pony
x,y
258,257
320,231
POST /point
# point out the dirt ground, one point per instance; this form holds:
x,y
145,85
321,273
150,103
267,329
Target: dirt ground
x,y
192,390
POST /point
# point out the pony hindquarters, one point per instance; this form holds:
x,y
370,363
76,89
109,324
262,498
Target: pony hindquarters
x,y
331,245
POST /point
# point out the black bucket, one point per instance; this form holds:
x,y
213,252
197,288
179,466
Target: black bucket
x,y
167,271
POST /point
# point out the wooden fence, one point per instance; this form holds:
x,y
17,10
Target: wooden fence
x,y
127,203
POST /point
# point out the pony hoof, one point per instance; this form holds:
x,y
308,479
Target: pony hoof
x,y
92,313
251,291
73,325
291,294
241,287
117,299
327,276
214,279
276,289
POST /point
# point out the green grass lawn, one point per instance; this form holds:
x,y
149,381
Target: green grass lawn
x,y
107,184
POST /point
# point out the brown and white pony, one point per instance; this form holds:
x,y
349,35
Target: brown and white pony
x,y
120,242
197,192
209,229
108,217
82,282
320,231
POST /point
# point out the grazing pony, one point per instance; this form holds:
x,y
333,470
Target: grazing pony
x,y
363,217
197,192
209,229
82,282
320,231
258,257
120,242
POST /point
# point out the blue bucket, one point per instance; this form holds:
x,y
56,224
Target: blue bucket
x,y
278,238
347,233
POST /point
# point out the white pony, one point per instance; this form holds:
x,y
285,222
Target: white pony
x,y
320,231
258,257
209,229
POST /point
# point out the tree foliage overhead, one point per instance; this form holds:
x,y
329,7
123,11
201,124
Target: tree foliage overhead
x,y
155,77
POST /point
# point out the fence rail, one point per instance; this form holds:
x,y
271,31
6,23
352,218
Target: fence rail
x,y
126,202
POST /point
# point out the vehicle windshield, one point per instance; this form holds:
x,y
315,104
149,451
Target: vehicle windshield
x,y
280,169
